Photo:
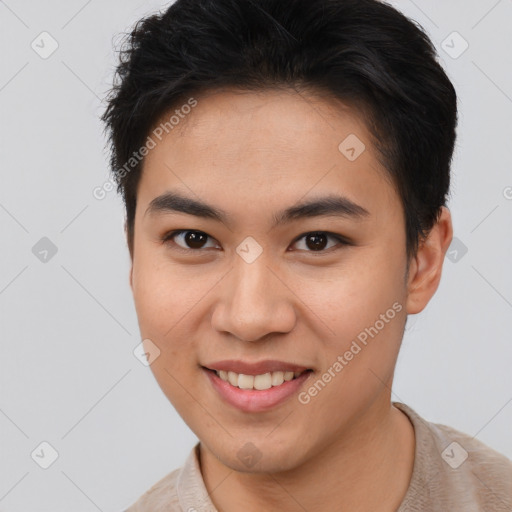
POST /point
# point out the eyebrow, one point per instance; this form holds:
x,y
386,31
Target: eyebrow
x,y
334,205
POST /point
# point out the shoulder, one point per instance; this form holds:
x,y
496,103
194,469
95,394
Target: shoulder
x,y
177,491
488,470
161,497
454,469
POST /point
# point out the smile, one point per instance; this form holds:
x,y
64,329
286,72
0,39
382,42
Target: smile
x,y
258,392
259,382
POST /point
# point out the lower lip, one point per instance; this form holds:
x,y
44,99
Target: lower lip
x,y
253,400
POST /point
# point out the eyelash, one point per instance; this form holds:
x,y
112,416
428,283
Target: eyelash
x,y
342,241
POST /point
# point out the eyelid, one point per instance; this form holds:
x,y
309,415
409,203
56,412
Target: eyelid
x,y
342,241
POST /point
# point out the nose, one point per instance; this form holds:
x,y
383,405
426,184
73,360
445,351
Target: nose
x,y
255,301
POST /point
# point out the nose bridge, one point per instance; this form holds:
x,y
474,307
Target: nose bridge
x,y
255,301
252,284
254,293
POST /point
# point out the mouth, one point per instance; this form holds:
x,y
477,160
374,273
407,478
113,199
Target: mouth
x,y
256,387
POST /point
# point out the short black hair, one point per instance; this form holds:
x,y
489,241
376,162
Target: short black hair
x,y
363,52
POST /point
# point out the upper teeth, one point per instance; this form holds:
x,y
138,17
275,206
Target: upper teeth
x,y
260,382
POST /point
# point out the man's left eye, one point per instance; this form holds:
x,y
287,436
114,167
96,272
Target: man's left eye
x,y
317,241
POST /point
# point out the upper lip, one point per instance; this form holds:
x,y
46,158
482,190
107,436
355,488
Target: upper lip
x,y
256,368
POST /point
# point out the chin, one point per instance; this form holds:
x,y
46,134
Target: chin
x,y
257,454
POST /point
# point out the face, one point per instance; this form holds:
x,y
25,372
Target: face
x,y
295,262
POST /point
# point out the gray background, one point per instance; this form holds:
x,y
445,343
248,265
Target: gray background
x,y
68,375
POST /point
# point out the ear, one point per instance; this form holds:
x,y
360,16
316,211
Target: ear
x,y
425,268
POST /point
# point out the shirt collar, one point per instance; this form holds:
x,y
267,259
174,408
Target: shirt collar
x,y
192,493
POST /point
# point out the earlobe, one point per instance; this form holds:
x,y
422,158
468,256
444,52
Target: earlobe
x,y
426,267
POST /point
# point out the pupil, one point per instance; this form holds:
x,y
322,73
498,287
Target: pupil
x,y
318,241
192,238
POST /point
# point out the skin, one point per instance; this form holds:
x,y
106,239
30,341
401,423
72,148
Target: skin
x,y
253,154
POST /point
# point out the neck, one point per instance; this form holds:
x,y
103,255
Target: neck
x,y
367,468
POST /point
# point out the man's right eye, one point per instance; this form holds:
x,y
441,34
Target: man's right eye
x,y
186,240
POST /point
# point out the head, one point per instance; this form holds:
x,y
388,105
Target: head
x,y
285,168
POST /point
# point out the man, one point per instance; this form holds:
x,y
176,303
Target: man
x,y
285,168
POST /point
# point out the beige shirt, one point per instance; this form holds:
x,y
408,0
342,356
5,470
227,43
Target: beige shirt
x,y
452,472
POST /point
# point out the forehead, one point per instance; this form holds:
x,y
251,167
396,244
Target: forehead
x,y
276,119
269,146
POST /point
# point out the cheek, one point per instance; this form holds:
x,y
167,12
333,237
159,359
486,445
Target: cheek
x,y
367,315
353,297
165,300
163,294
363,305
